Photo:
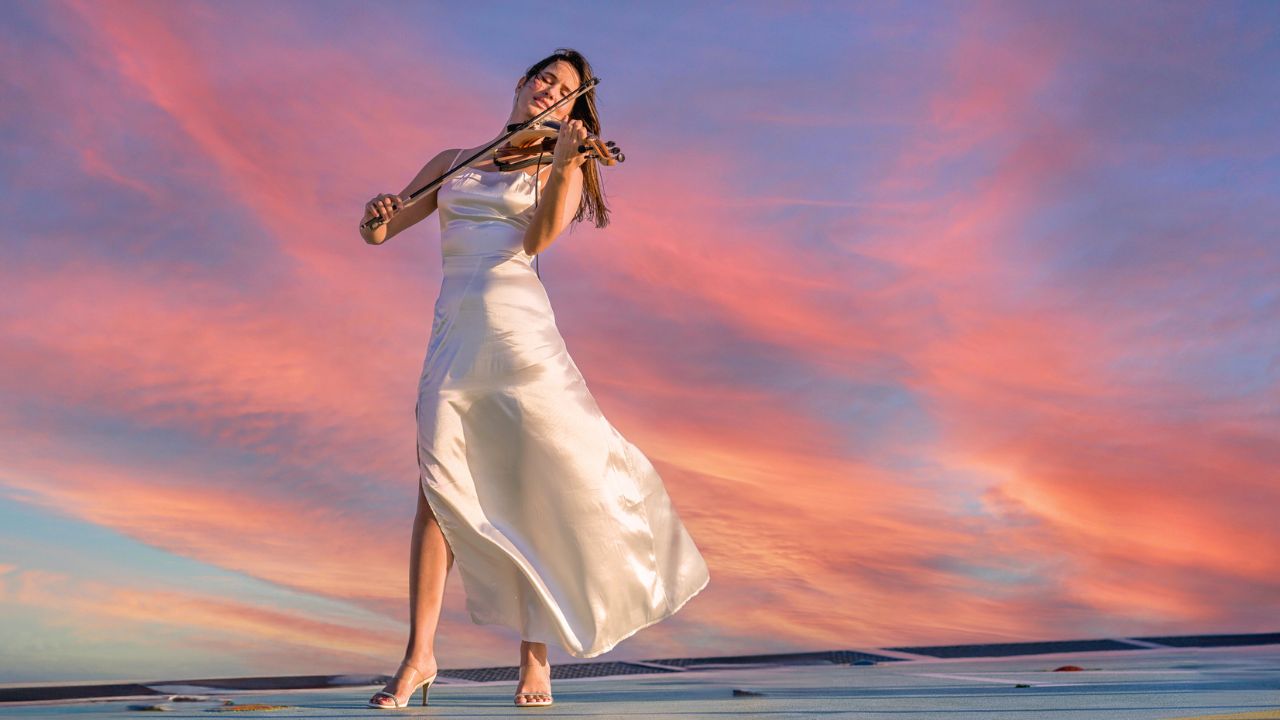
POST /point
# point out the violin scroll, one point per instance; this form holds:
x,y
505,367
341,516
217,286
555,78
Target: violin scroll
x,y
607,153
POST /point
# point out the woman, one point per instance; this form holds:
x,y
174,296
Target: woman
x,y
561,527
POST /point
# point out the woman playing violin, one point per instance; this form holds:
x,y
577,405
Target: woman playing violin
x,y
562,528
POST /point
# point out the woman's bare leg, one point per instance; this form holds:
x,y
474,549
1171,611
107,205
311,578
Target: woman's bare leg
x,y
430,559
535,673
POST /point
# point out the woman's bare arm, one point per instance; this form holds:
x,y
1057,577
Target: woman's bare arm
x,y
419,209
559,204
563,191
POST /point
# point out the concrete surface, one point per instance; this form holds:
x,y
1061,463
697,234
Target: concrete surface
x,y
1240,683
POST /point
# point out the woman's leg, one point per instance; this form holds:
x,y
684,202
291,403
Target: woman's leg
x,y
430,559
535,673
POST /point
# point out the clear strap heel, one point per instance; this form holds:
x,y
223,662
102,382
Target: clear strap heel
x,y
395,703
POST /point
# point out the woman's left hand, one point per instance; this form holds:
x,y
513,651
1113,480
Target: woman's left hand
x,y
572,134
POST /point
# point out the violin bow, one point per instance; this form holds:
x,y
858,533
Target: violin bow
x,y
376,222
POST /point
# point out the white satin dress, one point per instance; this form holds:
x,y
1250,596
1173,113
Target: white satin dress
x,y
560,527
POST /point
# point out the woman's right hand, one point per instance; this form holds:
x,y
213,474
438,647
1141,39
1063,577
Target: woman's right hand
x,y
383,206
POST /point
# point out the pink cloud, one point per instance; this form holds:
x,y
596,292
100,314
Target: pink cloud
x,y
1051,491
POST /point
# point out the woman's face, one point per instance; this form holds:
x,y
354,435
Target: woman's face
x,y
546,86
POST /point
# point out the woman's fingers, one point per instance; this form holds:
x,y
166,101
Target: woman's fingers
x,y
574,132
384,206
389,205
571,137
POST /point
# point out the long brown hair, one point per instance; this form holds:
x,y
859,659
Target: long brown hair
x,y
592,205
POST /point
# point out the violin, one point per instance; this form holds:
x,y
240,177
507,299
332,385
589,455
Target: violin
x,y
526,146
523,144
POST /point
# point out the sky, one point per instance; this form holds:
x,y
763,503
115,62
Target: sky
x,y
942,322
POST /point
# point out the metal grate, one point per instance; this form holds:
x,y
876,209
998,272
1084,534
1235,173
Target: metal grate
x,y
565,671
836,657
1022,648
73,692
1215,640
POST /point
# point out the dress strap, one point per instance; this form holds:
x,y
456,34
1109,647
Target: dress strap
x,y
454,164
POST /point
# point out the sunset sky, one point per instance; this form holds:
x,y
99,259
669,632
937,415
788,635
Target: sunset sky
x,y
942,322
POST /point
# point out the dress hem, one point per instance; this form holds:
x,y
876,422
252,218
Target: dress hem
x,y
648,624
488,620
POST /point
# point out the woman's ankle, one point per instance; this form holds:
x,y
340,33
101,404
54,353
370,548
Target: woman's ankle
x,y
423,662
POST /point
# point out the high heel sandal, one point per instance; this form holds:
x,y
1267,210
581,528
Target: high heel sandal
x,y
533,703
529,697
395,701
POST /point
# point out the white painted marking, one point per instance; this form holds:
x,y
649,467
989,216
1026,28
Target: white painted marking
x,y
1002,681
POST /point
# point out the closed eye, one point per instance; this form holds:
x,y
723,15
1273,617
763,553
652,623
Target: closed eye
x,y
550,79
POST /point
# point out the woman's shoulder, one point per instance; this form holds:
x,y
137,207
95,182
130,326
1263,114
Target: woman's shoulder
x,y
438,165
450,157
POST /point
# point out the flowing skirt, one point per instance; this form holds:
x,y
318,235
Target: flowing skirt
x,y
560,527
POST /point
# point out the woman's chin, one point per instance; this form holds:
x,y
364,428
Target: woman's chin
x,y
531,112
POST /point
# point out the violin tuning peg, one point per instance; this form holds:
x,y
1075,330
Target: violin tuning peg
x,y
610,143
